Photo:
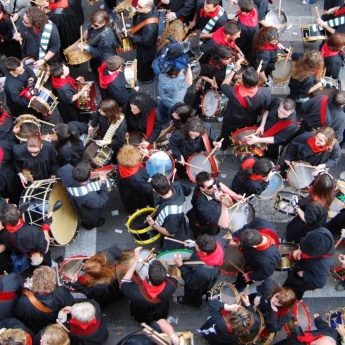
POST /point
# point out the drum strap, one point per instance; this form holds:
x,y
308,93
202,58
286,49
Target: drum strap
x,y
47,30
90,187
223,97
143,291
142,24
323,111
166,211
332,23
277,127
36,303
212,22
94,39
112,129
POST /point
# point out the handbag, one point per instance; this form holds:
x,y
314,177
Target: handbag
x,y
21,262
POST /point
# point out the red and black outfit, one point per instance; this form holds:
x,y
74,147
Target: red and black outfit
x,y
268,55
202,17
333,61
339,13
8,46
6,126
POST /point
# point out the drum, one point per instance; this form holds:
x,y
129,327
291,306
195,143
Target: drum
x,y
300,177
74,55
197,164
253,337
273,19
336,317
167,259
312,33
127,45
41,73
285,249
226,293
195,67
87,102
125,262
301,317
282,72
141,231
41,196
332,86
159,162
136,138
241,147
232,256
97,156
162,142
210,103
130,72
28,124
111,174
340,193
275,185
45,102
283,205
337,269
334,209
244,214
69,268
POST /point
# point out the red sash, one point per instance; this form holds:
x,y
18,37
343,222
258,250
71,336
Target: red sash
x,y
277,127
323,111
306,256
7,296
271,233
150,125
241,99
3,117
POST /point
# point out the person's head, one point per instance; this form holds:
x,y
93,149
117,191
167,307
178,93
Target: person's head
x,y
54,335
232,30
221,55
323,190
336,41
110,109
263,167
34,17
43,280
251,237
141,104
245,5
10,214
282,297
160,184
84,312
157,273
205,244
82,172
339,99
193,128
325,136
174,72
182,112
250,77
34,144
14,337
266,35
129,156
144,6
210,5
240,320
114,62
65,134
286,108
100,19
59,69
14,66
206,182
311,64
317,242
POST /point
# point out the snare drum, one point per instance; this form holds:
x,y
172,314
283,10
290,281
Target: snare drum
x,y
245,213
300,177
241,147
301,316
69,267
232,256
285,249
42,72
332,86
226,293
111,174
282,72
28,124
74,55
195,67
336,317
275,185
283,205
41,196
87,102
97,156
45,102
340,193
337,269
130,72
210,103
312,33
141,231
254,336
159,162
273,19
197,163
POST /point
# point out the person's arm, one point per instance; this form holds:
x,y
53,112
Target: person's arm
x,y
161,229
325,26
230,192
129,274
333,160
316,87
223,221
235,69
169,330
80,93
188,80
54,47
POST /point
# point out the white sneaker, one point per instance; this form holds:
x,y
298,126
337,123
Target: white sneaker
x,y
305,2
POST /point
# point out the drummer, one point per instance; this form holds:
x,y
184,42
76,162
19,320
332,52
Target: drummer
x,y
210,201
7,129
278,125
180,113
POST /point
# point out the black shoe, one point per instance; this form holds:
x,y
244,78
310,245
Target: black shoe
x,y
147,81
88,226
100,222
59,259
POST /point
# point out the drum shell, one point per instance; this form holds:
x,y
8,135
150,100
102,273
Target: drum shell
x,y
87,102
283,205
310,36
332,86
127,45
209,165
74,55
337,269
130,72
304,173
97,156
285,249
241,147
340,193
232,254
42,72
25,120
45,102
279,69
301,317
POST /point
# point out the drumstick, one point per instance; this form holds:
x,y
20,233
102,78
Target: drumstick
x,y
127,141
124,24
81,38
47,123
238,204
173,240
152,214
57,275
337,244
294,171
146,260
15,29
306,166
259,67
221,140
191,165
286,59
214,80
243,200
62,325
279,8
247,288
317,12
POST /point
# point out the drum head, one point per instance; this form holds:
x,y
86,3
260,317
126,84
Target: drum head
x,y
232,256
198,160
301,177
287,248
169,255
339,250
28,125
210,103
71,266
273,19
229,294
238,137
245,213
275,184
143,268
282,71
160,163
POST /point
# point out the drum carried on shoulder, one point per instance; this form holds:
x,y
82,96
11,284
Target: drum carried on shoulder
x,y
28,124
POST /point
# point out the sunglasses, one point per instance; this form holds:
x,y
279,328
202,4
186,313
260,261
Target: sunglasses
x,y
211,186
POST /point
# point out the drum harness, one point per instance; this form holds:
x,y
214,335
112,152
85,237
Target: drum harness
x,y
90,187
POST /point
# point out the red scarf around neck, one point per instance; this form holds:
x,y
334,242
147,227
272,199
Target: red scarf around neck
x,y
128,172
209,14
3,117
314,147
227,324
250,19
58,4
219,37
79,328
105,80
340,11
308,338
60,82
154,291
11,229
270,242
214,259
269,46
327,52
256,177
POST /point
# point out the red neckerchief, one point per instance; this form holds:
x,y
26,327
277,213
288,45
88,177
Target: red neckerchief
x,y
277,127
340,11
1,155
28,338
248,163
11,229
326,52
316,149
60,82
308,338
270,233
269,243
209,14
128,172
3,117
105,80
307,256
315,72
218,37
79,328
82,279
227,324
245,91
24,93
269,46
5,15
214,259
250,19
154,291
7,295
256,177
36,31
239,97
58,4
150,125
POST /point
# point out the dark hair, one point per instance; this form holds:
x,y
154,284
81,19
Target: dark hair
x,y
212,2
12,63
57,69
157,273
100,16
323,189
206,243
289,104
65,134
339,98
265,35
37,17
245,5
183,110
114,62
160,184
286,296
220,52
144,102
251,237
336,41
34,140
82,172
262,166
173,72
202,177
193,124
10,214
231,28
111,109
250,77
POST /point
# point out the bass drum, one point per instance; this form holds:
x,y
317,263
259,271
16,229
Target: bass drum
x,y
232,256
285,249
241,146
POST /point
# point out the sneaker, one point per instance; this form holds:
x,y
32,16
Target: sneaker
x,y
340,286
305,2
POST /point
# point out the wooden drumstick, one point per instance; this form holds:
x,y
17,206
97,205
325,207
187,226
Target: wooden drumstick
x,y
259,67
15,29
62,325
81,38
243,200
247,288
279,8
124,24
214,80
212,152
317,12
152,213
79,269
294,171
286,60
191,165
238,204
47,123
173,240
146,260
337,244
241,271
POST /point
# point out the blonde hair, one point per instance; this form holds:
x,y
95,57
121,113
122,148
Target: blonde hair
x,y
329,133
54,335
129,156
14,337
43,280
83,312
241,320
